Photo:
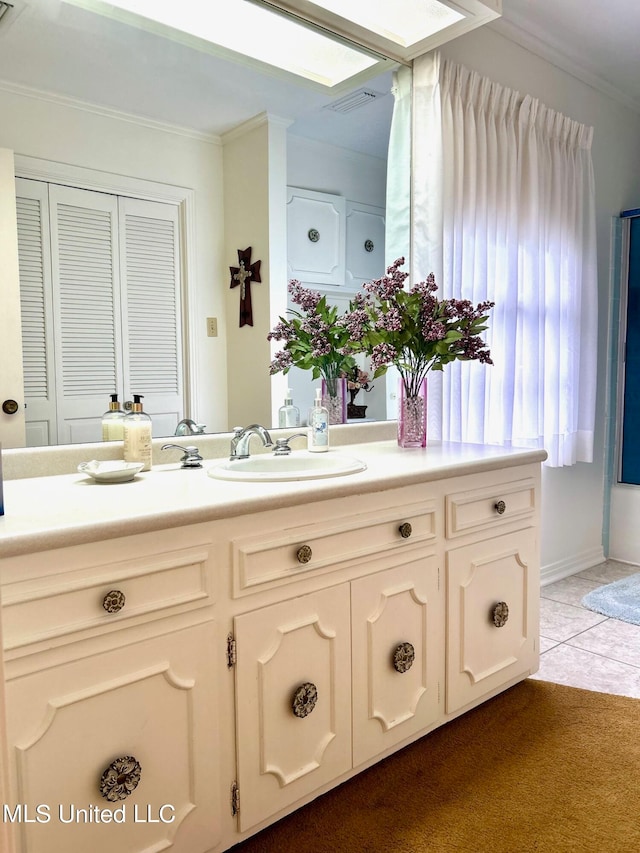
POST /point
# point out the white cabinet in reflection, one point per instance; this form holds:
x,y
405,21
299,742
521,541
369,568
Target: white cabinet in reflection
x,y
316,237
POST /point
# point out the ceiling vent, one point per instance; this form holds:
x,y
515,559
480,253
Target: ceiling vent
x,y
354,101
4,8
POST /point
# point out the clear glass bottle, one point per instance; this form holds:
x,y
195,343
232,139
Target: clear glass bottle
x,y
113,421
137,435
288,414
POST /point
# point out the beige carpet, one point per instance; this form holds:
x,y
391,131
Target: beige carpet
x,y
542,768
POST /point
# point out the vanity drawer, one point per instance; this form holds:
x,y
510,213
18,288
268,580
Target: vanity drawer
x,y
290,554
488,507
100,597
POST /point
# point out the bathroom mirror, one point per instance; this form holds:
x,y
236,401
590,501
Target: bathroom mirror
x,y
62,56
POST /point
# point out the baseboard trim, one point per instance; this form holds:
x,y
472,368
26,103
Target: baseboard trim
x,y
571,565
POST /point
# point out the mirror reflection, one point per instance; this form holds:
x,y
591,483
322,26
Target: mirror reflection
x,y
135,193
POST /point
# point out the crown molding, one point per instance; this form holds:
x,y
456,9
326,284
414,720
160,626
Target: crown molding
x,y
534,43
106,112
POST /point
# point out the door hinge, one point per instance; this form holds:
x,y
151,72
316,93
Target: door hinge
x,y
231,651
235,799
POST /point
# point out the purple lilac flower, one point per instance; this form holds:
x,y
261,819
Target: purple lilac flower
x,y
282,361
306,299
355,322
432,330
381,355
390,320
282,331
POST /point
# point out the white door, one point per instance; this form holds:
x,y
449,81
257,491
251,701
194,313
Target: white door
x,y
101,309
12,425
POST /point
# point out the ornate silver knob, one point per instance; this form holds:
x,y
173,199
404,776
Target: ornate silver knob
x,y
500,614
114,601
304,699
500,507
405,530
403,657
304,553
120,778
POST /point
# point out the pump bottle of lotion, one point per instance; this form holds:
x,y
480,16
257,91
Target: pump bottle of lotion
x,y
318,435
112,421
137,435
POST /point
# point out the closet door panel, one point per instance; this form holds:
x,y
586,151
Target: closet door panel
x,y
151,307
36,309
87,306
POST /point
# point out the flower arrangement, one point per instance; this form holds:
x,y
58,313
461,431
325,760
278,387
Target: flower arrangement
x,y
413,329
316,338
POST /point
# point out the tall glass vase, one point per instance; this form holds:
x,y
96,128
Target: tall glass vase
x,y
334,398
412,414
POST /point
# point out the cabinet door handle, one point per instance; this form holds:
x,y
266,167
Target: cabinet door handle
x,y
403,657
500,614
114,601
405,530
304,699
500,507
304,553
120,778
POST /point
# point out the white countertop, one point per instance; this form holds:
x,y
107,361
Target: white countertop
x,y
70,509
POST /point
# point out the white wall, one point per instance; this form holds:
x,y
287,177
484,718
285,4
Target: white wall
x,y
66,132
572,498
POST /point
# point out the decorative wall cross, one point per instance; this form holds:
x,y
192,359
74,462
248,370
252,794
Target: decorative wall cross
x,y
242,276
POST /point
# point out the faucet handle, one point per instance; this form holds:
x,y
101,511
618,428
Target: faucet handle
x,y
282,444
191,458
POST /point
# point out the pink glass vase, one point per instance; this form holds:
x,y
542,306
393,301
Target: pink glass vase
x,y
412,415
334,399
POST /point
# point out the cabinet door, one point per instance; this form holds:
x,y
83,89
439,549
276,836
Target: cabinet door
x,y
289,655
397,651
315,237
490,644
153,702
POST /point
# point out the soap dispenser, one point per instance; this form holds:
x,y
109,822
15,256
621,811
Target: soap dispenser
x,y
112,421
288,414
137,435
318,435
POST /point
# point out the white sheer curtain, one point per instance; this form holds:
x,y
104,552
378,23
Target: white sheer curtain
x,y
504,210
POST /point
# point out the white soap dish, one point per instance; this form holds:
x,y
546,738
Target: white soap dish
x,y
111,472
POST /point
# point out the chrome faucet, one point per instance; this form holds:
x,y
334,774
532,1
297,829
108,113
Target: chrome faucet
x,y
282,444
242,436
187,426
191,458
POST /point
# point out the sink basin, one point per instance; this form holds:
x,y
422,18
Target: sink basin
x,y
300,465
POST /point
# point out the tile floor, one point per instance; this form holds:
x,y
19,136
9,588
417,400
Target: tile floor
x,y
581,648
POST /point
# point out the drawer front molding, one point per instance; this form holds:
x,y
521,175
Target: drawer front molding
x,y
75,601
475,510
263,561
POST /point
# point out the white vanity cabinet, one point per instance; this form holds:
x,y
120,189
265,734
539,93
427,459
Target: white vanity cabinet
x,y
493,585
112,715
328,680
227,671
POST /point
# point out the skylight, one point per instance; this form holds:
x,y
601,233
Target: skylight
x,y
249,30
404,22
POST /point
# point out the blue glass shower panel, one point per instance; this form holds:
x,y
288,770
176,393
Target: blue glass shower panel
x,y
630,468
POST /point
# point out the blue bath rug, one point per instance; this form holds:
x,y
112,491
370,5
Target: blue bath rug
x,y
619,600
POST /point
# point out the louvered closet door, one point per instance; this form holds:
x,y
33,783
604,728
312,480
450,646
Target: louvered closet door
x,y
32,207
150,275
86,304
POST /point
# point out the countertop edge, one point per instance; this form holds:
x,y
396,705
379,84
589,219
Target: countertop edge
x,y
278,496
